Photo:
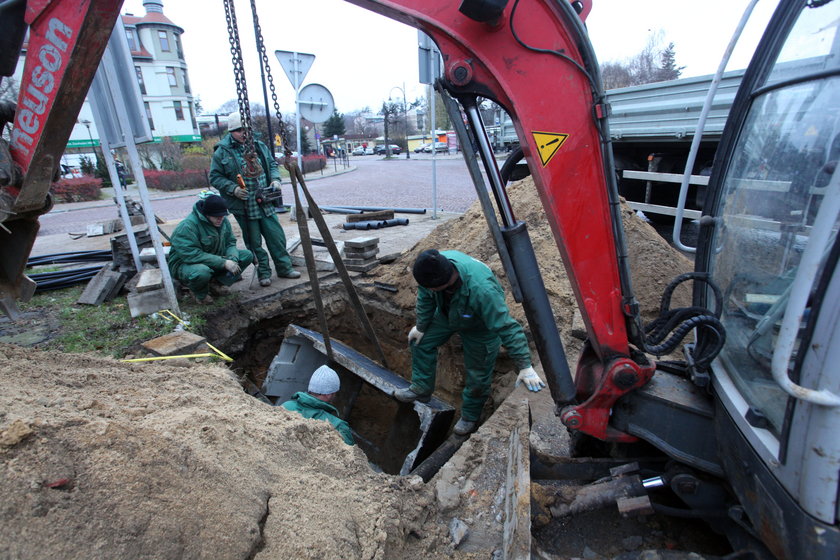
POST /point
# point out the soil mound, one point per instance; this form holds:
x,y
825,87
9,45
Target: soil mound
x,y
103,459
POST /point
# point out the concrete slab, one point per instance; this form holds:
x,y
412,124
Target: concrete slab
x,y
150,279
361,242
174,344
99,287
146,303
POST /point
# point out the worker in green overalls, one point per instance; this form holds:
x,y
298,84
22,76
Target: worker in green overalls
x,y
458,294
316,402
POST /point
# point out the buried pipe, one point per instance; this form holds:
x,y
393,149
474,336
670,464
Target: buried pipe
x,y
375,224
433,463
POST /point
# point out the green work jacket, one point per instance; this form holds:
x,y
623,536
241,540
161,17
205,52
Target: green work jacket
x,y
197,241
228,162
477,305
310,407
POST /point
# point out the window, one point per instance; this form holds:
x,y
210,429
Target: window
x,y
192,116
140,79
164,41
170,73
186,81
179,110
178,46
132,39
149,116
773,195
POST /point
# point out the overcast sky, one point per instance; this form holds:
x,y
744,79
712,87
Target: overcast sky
x,y
362,57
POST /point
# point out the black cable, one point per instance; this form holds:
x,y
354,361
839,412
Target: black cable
x,y
549,51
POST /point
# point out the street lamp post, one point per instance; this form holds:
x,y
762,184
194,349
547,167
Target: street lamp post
x,y
405,118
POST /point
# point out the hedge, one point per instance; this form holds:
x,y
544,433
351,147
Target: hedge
x,y
175,180
309,164
77,190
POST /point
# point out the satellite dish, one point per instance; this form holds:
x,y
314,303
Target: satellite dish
x,y
316,103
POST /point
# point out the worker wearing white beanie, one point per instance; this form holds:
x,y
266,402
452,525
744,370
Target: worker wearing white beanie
x,y
316,401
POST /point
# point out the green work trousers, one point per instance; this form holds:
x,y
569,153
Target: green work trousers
x,y
480,350
268,228
197,277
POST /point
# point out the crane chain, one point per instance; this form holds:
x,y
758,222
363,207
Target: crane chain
x,y
252,165
284,135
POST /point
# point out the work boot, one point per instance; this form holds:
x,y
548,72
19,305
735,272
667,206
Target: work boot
x,y
218,289
264,282
464,427
290,274
206,300
407,395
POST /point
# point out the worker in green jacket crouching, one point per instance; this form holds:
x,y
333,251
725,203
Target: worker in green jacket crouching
x,y
204,256
315,402
458,294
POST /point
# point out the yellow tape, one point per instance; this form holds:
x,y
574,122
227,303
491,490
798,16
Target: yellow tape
x,y
218,352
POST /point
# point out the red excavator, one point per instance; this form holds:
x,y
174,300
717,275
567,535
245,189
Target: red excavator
x,y
749,418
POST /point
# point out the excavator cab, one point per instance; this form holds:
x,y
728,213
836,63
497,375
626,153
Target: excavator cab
x,y
769,242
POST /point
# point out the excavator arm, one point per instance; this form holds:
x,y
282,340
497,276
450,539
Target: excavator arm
x,y
66,41
534,59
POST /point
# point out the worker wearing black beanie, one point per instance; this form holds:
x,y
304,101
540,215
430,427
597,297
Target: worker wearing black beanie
x,y
458,294
432,270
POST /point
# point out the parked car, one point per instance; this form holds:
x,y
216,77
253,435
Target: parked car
x,y
360,151
381,151
422,148
439,147
369,151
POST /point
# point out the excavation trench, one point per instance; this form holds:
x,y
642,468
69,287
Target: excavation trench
x,y
278,344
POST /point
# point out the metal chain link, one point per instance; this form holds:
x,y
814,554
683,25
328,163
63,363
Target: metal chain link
x,y
284,135
252,166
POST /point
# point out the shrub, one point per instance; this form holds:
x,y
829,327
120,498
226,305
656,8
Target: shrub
x,y
195,161
77,190
309,164
175,180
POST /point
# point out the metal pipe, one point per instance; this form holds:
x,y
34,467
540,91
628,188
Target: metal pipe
x,y
539,314
701,124
489,161
380,208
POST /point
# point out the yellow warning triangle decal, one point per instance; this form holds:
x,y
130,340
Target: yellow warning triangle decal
x,y
547,144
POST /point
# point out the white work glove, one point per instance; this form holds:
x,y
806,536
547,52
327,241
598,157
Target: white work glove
x,y
240,193
414,336
275,185
232,267
530,378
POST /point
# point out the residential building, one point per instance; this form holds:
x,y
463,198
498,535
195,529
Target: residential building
x,y
158,55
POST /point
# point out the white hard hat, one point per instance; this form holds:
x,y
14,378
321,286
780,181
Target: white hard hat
x,y
324,381
234,121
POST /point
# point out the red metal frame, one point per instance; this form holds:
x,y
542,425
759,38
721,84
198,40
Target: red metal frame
x,y
66,42
544,93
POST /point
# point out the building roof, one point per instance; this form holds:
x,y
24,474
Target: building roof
x,y
151,18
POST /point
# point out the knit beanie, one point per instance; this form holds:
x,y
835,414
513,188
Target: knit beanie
x,y
213,205
324,381
431,269
234,121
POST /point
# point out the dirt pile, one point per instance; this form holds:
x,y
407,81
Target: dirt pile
x,y
102,459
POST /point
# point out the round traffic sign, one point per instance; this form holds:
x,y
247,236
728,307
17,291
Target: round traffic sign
x,y
316,103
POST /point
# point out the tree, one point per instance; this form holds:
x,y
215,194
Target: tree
x,y
389,112
652,64
334,126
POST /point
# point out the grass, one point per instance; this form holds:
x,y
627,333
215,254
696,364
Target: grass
x,y
108,328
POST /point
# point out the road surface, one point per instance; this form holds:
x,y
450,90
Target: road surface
x,y
394,183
